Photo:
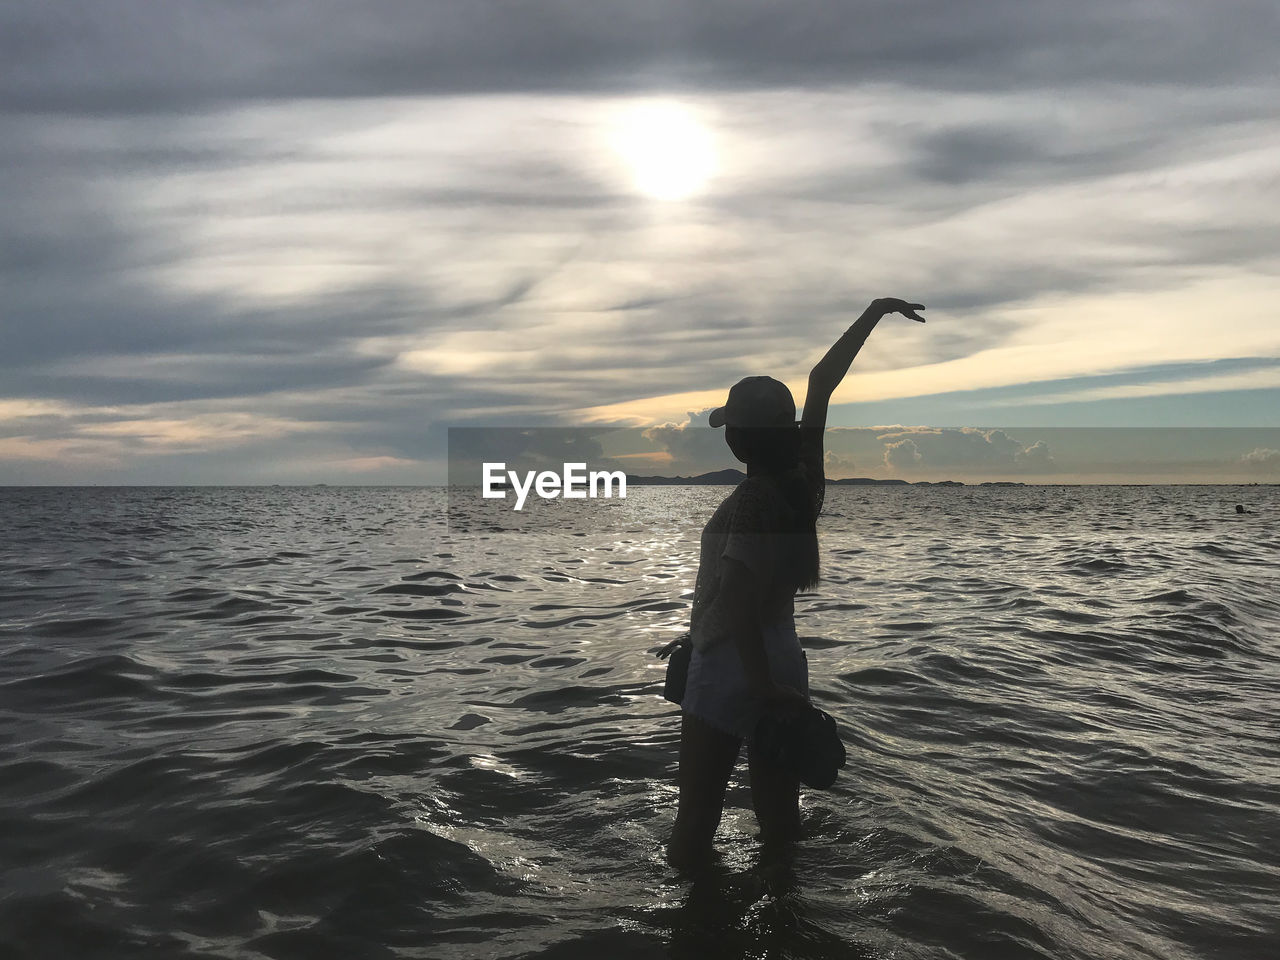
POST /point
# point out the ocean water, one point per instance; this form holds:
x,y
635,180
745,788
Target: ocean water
x,y
311,722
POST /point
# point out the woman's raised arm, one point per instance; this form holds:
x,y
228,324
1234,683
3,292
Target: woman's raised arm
x,y
830,370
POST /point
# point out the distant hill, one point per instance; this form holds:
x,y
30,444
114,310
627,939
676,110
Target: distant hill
x,y
731,476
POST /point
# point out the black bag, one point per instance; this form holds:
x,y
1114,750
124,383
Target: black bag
x,y
804,742
677,653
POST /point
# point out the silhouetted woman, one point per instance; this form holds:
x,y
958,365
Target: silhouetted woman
x,y
758,549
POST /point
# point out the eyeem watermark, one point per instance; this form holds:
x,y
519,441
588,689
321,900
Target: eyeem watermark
x,y
574,482
517,479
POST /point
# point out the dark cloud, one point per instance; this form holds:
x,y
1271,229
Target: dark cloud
x,y
95,55
167,167
976,153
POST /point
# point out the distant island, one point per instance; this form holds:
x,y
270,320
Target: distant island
x,y
715,477
731,476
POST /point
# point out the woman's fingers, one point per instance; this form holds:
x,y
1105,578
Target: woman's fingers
x,y
894,305
785,694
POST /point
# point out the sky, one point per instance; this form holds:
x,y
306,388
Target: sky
x,y
297,242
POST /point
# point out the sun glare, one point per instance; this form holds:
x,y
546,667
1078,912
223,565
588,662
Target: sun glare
x,y
669,150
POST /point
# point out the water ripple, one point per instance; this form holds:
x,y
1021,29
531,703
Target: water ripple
x,y
309,722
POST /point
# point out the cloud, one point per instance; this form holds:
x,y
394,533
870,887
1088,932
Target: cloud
x,y
1036,455
360,226
524,449
902,454
929,447
1262,458
96,55
692,446
837,464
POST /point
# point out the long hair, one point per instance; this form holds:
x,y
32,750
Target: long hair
x,y
776,451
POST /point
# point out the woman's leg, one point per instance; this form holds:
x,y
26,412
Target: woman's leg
x,y
775,795
707,756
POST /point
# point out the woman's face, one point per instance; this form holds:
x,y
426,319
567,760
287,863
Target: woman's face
x,y
763,445
737,442
744,443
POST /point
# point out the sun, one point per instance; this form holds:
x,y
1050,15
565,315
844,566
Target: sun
x,y
670,152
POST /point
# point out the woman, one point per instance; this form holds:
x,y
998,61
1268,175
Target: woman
x,y
758,549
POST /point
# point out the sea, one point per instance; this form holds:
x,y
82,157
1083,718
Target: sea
x,y
311,722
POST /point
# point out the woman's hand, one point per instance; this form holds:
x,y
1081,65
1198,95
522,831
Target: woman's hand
x,y
887,305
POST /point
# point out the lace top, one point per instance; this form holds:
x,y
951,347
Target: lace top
x,y
750,526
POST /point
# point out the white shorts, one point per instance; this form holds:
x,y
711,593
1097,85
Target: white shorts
x,y
717,692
